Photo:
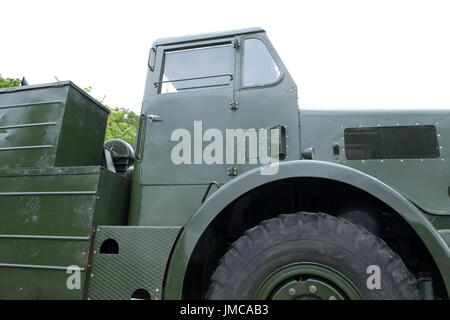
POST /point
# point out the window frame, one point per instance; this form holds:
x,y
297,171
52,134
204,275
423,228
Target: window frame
x,y
194,46
273,55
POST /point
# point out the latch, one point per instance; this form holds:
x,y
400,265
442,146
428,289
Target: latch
x,y
234,105
336,149
282,145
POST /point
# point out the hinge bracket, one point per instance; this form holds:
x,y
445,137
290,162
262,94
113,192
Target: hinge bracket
x,y
234,105
232,171
237,42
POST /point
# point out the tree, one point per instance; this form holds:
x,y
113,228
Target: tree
x,y
122,124
9,82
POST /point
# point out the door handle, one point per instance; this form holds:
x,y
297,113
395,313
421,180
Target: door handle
x,y
153,118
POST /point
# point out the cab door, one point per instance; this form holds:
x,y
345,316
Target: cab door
x,y
266,97
190,89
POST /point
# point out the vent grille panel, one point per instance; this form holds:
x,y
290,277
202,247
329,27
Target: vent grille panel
x,y
396,142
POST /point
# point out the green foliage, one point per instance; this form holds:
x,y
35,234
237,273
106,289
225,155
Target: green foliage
x,y
9,82
122,124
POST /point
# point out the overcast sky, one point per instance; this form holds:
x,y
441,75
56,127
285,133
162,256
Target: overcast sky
x,y
341,53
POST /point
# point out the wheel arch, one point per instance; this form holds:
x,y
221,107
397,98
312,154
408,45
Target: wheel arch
x,y
216,203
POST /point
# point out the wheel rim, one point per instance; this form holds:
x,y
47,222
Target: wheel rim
x,y
307,281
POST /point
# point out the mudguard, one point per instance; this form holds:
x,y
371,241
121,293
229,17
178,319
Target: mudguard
x,y
214,205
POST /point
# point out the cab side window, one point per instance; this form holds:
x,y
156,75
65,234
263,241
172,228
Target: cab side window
x,y
198,68
259,68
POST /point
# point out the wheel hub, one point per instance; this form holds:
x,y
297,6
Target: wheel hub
x,y
307,281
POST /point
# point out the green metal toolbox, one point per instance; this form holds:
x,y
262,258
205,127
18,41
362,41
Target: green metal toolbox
x,y
47,218
50,125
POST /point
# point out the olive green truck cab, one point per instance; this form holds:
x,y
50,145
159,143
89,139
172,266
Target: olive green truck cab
x,y
232,190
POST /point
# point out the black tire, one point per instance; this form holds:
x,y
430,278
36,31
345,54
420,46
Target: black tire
x,y
315,238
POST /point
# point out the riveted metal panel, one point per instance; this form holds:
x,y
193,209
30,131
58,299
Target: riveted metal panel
x,y
140,263
423,180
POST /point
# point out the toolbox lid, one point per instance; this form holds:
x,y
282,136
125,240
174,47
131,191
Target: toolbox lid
x,y
55,85
50,125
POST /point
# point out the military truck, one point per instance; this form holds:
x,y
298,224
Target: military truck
x,y
232,190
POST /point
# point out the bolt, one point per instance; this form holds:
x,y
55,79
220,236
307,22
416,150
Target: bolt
x,y
312,289
332,298
292,291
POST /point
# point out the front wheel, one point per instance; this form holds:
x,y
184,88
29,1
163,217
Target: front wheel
x,y
311,256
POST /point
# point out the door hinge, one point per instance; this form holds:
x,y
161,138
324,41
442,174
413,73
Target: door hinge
x,y
234,105
237,42
232,171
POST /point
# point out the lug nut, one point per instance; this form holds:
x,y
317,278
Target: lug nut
x,y
292,291
312,289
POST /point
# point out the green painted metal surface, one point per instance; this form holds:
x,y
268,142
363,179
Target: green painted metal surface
x,y
192,232
163,211
328,284
48,125
46,221
140,262
154,169
424,182
47,212
403,184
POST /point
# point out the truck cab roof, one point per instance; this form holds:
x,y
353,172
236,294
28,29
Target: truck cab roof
x,y
206,36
